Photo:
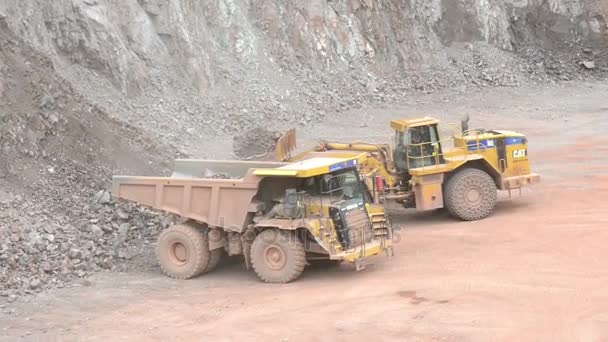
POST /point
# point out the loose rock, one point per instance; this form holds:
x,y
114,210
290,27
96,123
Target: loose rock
x,y
588,64
96,230
103,197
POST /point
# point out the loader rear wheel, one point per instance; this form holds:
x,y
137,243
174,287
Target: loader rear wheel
x,y
277,256
183,251
470,194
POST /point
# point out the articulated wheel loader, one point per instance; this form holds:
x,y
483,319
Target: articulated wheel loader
x,y
419,170
279,216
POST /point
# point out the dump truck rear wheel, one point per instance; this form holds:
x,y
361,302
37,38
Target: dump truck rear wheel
x,y
470,194
214,259
183,251
277,256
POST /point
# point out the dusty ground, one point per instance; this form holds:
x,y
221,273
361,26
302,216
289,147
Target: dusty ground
x,y
535,270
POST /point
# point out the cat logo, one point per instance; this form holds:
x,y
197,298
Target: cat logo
x,y
518,154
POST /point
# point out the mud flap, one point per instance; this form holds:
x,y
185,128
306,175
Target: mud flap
x,y
359,265
246,241
217,238
390,252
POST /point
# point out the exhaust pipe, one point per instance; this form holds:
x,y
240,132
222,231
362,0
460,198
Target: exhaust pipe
x,y
464,124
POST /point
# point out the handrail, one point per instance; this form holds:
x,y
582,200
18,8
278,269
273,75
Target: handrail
x,y
423,156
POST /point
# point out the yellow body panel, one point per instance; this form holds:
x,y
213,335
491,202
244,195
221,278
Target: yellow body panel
x,y
275,172
451,163
371,166
517,161
403,124
429,191
324,231
375,209
308,167
341,154
513,164
365,251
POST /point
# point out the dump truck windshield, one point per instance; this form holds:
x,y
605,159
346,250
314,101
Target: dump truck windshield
x,y
342,185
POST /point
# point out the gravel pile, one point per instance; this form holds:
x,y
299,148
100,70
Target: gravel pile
x,y
256,143
56,152
52,240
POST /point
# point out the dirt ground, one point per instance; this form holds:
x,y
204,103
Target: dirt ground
x,y
535,270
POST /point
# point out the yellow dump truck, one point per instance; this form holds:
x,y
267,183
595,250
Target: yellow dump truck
x,y
279,216
422,171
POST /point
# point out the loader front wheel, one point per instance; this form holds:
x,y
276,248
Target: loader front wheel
x,y
277,256
470,194
183,251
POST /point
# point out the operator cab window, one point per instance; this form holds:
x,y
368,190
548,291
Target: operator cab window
x,y
419,135
337,184
421,143
310,186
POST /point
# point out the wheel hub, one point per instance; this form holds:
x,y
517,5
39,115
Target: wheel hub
x,y
179,253
274,257
473,195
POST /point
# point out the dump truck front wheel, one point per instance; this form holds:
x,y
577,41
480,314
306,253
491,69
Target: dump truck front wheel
x,y
470,194
277,256
183,251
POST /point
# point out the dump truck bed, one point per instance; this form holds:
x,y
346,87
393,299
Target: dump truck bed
x,y
222,202
218,193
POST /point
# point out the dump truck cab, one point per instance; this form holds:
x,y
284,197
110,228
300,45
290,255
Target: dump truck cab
x,y
331,204
279,216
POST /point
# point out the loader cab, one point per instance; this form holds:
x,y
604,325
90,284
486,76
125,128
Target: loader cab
x,y
417,143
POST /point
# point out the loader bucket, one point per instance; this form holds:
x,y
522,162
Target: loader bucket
x,y
286,144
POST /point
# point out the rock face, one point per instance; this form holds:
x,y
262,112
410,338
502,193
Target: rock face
x,y
205,41
270,56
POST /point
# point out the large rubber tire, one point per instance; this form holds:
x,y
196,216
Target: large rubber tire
x,y
214,259
183,251
470,194
278,256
